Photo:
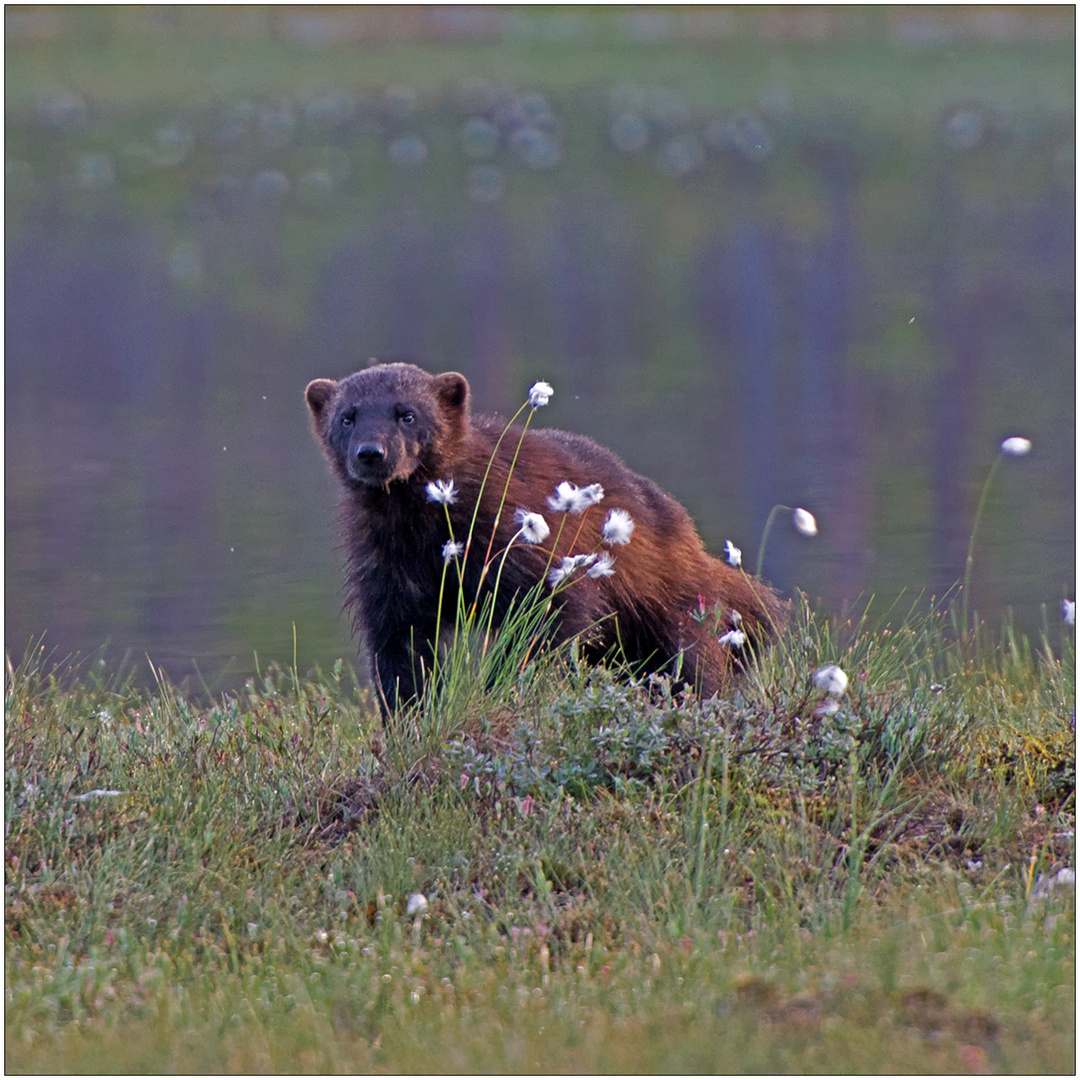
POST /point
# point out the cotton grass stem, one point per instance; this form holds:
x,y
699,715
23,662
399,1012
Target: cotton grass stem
x,y
506,486
765,536
502,503
970,561
495,592
804,523
1014,446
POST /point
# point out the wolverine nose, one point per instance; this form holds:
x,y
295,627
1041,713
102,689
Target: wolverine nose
x,y
369,453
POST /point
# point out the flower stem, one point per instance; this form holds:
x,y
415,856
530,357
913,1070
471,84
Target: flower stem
x,y
439,610
971,544
502,502
495,591
509,474
765,536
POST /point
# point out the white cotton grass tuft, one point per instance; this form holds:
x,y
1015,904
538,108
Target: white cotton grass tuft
x,y
1047,884
534,529
540,394
564,498
451,549
804,521
1068,612
416,904
618,528
560,573
603,567
593,492
577,561
828,707
569,498
1016,446
441,491
734,639
831,679
568,565
732,554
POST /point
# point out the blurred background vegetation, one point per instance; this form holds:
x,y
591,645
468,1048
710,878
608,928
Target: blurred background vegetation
x,y
805,255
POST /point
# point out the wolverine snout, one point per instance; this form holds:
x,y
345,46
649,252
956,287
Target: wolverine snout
x,y
369,453
366,462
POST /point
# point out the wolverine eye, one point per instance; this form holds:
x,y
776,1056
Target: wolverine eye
x,y
405,416
347,420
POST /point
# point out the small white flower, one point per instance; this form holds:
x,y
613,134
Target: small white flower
x,y
1016,446
735,638
604,566
568,565
569,498
732,554
540,394
618,528
828,707
736,618
564,498
559,573
831,679
416,904
1068,612
1045,885
577,561
534,529
804,521
593,493
452,549
441,491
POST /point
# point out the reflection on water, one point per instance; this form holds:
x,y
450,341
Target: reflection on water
x,y
752,309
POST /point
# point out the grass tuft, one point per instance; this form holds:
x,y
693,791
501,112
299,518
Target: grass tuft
x,y
611,872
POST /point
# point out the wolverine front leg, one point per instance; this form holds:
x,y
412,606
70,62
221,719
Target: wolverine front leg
x,y
398,672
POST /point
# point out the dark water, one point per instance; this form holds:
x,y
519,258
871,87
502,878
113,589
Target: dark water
x,y
776,308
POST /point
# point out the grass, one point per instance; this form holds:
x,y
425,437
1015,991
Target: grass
x,y
204,61
614,879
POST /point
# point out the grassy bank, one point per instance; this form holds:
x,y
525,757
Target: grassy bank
x,y
119,56
583,875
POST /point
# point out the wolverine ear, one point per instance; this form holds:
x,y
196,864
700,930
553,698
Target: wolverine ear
x,y
452,390
318,393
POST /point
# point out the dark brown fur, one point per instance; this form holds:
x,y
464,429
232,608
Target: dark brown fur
x,y
389,430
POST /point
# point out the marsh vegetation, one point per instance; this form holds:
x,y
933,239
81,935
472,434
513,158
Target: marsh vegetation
x,y
571,871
